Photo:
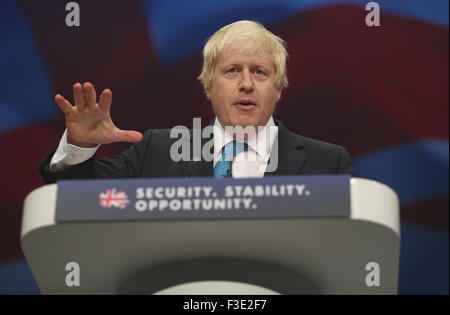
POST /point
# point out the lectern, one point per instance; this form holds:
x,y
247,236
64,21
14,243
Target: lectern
x,y
322,234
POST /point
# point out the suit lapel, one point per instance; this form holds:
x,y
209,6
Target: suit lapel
x,y
291,156
200,168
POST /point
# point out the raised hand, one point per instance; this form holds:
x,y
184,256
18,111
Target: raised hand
x,y
89,123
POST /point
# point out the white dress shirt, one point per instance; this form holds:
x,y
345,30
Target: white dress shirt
x,y
68,154
250,163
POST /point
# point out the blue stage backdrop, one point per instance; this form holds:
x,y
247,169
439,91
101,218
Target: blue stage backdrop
x,y
382,92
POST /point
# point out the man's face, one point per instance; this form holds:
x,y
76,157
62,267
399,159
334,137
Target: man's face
x,y
243,91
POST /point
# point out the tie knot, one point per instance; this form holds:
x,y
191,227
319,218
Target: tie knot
x,y
231,149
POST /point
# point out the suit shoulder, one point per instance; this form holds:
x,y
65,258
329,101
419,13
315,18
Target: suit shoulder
x,y
156,134
309,144
318,148
325,157
318,145
322,144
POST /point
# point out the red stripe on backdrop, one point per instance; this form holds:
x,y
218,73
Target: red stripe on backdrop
x,y
108,32
365,88
431,213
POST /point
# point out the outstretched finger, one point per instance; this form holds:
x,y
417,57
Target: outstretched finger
x,y
105,100
128,135
78,96
89,94
65,106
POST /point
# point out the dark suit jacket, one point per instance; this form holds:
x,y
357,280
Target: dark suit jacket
x,y
151,158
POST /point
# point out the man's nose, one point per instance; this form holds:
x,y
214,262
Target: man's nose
x,y
246,83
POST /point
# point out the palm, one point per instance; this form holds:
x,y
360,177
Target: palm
x,y
89,123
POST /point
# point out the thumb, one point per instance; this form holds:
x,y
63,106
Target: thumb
x,y
128,136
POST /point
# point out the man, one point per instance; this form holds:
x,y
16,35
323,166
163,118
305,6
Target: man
x,y
244,73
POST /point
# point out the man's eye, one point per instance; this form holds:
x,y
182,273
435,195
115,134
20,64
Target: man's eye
x,y
232,70
257,71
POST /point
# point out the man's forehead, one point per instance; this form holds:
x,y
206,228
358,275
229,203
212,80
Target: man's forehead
x,y
245,55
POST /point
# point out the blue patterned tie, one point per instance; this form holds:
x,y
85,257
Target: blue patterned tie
x,y
223,166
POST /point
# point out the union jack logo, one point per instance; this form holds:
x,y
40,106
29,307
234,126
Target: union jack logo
x,y
111,198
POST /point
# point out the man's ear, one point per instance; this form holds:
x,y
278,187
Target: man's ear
x,y
208,95
279,94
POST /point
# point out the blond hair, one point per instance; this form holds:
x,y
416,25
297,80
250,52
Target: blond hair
x,y
249,36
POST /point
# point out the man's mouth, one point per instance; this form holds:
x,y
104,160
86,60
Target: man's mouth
x,y
245,104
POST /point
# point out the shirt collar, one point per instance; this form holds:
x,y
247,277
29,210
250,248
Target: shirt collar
x,y
261,144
